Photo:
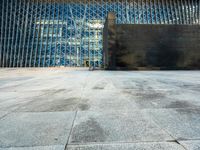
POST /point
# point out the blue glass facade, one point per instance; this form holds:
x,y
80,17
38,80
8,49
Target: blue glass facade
x,y
47,33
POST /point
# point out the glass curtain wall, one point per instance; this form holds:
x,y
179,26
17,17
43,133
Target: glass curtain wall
x,y
49,33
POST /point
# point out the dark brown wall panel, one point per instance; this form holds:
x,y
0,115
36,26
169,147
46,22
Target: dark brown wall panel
x,y
154,46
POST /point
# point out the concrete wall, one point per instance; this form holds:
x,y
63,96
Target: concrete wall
x,y
109,39
151,46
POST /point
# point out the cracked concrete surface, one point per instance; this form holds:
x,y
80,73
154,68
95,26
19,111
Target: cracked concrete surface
x,y
77,109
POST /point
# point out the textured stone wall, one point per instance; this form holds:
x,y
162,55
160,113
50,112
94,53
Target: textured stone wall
x,y
152,46
109,36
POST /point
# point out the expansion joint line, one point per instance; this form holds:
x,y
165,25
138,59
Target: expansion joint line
x,y
71,130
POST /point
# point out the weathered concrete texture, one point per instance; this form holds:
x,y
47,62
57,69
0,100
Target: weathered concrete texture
x,y
53,100
191,145
99,109
53,147
10,101
3,113
115,127
124,146
99,100
182,124
35,129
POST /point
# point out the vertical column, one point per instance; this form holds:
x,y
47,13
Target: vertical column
x,y
13,34
199,11
93,39
168,12
5,33
99,33
89,31
2,27
77,34
123,11
38,34
155,11
32,3
164,15
146,4
179,11
186,12
192,11
189,11
42,42
17,34
61,34
25,34
52,31
175,13
129,11
142,11
196,11
9,39
151,15
57,32
109,41
66,36
182,12
34,33
159,10
22,27
126,10
70,27
177,18
134,7
49,5
138,8
172,12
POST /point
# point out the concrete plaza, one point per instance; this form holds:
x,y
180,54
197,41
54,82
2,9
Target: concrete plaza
x,y
77,109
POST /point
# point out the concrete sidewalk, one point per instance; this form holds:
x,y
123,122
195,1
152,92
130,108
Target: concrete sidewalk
x,y
77,109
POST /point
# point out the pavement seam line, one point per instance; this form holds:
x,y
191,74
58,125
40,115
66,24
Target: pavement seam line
x,y
118,142
181,145
167,132
83,88
71,130
5,115
153,119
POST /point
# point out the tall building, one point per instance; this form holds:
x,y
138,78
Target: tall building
x,y
46,33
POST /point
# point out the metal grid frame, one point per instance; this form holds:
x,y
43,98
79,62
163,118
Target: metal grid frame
x,y
49,33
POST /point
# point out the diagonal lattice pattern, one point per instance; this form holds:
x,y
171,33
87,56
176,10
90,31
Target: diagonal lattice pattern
x,y
46,33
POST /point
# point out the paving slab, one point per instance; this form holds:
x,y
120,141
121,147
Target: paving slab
x,y
49,80
35,129
161,98
191,145
91,127
130,146
182,124
153,92
107,100
147,90
14,80
114,108
10,101
53,147
54,100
